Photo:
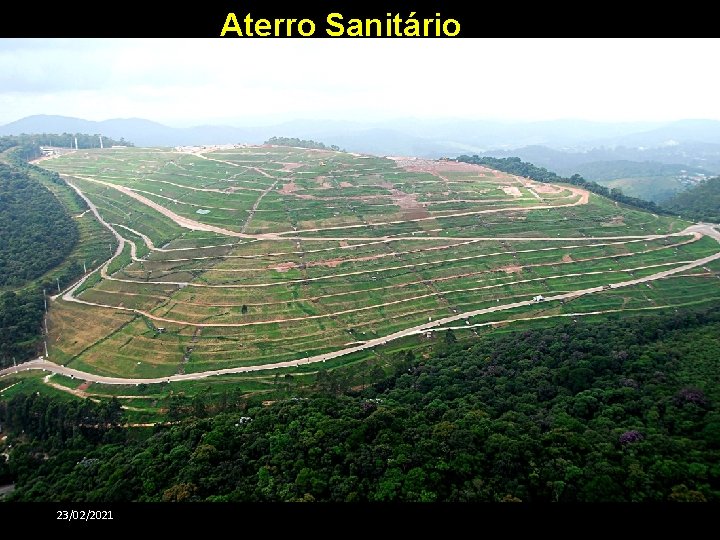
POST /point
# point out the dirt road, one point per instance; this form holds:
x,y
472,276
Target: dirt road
x,y
419,329
184,222
698,229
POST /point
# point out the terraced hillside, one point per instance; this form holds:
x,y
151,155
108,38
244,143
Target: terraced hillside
x,y
244,258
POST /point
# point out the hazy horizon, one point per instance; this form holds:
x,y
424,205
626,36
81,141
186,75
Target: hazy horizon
x,y
269,121
183,83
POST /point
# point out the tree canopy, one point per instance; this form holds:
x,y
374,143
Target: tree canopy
x,y
21,315
36,233
701,202
29,144
626,410
300,143
515,165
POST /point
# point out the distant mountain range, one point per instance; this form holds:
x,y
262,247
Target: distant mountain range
x,y
605,152
140,131
419,137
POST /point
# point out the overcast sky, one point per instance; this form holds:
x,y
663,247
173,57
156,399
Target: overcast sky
x,y
251,81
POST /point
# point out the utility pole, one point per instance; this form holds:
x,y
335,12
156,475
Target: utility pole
x,y
101,143
84,267
58,284
46,351
76,144
45,300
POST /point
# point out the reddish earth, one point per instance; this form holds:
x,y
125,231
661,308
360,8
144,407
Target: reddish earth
x,y
345,184
282,267
583,194
408,202
328,263
512,269
546,188
289,188
617,220
332,263
322,182
431,166
288,167
567,258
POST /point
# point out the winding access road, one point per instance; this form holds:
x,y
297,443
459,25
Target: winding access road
x,y
41,364
51,367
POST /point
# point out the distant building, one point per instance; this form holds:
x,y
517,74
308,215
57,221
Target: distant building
x,y
538,298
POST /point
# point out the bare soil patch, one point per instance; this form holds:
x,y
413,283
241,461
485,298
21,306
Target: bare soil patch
x,y
332,263
432,166
546,188
614,222
289,188
412,209
282,267
288,167
322,182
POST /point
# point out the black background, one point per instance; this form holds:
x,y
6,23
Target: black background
x,y
433,521
82,18
72,19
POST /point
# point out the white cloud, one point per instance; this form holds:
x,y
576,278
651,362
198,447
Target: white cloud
x,y
242,80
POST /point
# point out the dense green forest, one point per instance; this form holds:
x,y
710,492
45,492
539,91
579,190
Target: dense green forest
x,y
649,180
701,202
21,316
30,144
300,143
36,233
625,410
515,165
18,148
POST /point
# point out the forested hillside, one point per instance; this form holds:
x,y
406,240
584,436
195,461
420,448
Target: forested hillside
x,y
21,315
64,140
626,410
300,143
514,165
701,202
36,233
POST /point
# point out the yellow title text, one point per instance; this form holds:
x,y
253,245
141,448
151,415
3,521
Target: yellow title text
x,y
392,25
